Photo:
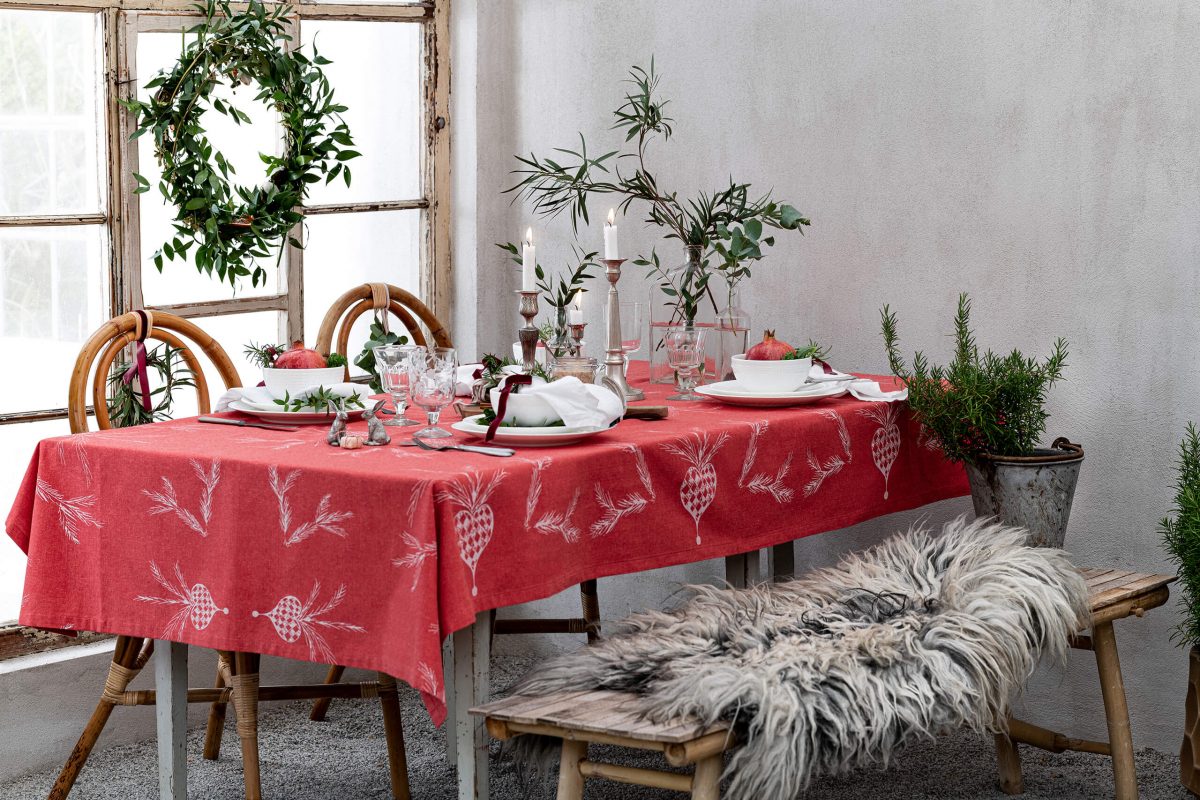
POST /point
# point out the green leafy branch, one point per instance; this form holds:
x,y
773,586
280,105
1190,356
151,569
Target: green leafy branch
x,y
125,401
1181,534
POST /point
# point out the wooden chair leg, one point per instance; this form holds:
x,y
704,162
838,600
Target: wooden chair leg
x,y
245,706
706,781
590,596
570,779
321,704
216,712
393,727
1008,762
121,671
1116,712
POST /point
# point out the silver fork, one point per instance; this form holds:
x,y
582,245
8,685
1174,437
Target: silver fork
x,y
502,452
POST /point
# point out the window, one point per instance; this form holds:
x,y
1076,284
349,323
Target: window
x,y
76,243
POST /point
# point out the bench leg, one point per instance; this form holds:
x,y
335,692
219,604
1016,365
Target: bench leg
x,y
570,779
1116,712
1008,761
706,781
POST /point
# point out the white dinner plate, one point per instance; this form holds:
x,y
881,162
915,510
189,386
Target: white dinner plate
x,y
291,417
526,437
734,394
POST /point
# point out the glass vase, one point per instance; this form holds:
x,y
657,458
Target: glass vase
x,y
732,335
668,312
561,345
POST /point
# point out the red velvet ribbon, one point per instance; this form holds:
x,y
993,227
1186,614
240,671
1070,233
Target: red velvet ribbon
x,y
139,366
506,388
824,365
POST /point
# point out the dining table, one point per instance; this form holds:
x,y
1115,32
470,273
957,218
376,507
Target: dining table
x,y
274,542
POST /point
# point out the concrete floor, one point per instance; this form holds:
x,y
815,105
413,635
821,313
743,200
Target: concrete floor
x,y
345,759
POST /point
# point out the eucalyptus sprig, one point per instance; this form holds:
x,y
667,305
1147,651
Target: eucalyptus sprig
x,y
319,400
232,226
125,402
561,292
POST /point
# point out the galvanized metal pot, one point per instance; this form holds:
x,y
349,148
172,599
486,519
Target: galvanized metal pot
x,y
1032,492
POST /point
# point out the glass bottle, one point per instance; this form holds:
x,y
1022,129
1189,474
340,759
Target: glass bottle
x,y
733,331
668,312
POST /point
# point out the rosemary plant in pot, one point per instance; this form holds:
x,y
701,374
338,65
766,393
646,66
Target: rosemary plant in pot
x,y
683,294
1181,536
988,411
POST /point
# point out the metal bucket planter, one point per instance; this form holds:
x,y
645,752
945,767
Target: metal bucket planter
x,y
1032,492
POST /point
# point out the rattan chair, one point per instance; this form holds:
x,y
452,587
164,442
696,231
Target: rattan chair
x,y
237,673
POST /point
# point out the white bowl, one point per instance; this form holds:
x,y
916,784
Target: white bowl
x,y
771,376
525,410
294,381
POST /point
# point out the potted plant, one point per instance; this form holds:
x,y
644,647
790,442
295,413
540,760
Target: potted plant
x,y
988,412
1181,536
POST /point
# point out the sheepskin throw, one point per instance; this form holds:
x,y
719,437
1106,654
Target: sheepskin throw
x,y
920,635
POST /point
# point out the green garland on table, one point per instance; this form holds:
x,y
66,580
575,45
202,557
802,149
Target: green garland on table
x,y
231,226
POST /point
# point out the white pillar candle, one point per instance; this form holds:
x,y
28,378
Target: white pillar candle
x,y
576,315
610,236
528,262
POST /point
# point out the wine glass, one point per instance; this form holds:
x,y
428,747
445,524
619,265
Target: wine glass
x,y
432,377
685,353
391,361
631,330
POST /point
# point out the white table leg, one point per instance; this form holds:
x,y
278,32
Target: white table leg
x,y
171,685
472,648
742,570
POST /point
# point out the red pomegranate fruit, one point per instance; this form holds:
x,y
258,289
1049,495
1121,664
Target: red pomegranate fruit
x,y
299,357
769,349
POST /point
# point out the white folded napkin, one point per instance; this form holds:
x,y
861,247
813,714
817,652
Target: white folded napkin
x,y
817,374
259,396
464,379
871,391
581,405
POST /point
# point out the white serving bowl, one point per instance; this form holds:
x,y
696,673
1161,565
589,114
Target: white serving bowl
x,y
294,381
771,376
525,410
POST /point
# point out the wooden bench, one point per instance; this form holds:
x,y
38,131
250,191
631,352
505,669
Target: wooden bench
x,y
617,718
1114,594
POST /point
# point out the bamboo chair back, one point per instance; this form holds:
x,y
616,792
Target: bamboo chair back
x,y
379,297
109,339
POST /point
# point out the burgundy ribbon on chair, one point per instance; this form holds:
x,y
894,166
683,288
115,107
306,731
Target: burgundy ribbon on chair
x,y
506,388
824,365
139,366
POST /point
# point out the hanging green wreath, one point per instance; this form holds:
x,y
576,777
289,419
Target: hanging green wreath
x,y
231,226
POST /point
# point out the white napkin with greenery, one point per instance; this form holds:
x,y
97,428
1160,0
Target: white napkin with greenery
x,y
581,405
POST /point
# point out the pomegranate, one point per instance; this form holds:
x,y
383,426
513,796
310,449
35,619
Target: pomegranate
x,y
300,357
769,349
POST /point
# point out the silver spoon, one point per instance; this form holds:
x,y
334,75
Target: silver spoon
x,y
466,448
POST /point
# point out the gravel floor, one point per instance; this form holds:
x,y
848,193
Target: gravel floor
x,y
344,758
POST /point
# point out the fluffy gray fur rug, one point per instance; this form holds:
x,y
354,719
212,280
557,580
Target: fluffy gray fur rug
x,y
920,635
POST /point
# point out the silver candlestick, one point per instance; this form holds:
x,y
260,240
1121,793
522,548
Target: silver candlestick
x,y
577,338
614,361
528,335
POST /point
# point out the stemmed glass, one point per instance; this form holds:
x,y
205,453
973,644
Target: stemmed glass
x,y
685,353
391,360
631,330
432,377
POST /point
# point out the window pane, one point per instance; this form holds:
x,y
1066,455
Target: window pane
x,y
180,282
52,296
18,441
234,332
345,250
50,143
376,73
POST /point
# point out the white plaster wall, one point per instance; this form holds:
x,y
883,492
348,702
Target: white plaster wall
x,y
1041,155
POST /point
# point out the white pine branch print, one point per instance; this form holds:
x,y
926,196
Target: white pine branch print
x,y
294,620
427,681
762,482
72,512
643,471
85,466
196,603
835,463
560,522
280,487
414,498
614,512
414,559
535,489
210,480
324,518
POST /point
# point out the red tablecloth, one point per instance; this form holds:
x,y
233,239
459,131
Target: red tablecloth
x,y
276,543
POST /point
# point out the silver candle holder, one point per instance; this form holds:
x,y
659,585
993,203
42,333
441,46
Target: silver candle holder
x,y
614,360
528,335
576,330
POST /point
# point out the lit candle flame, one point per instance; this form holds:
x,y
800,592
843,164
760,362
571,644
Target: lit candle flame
x,y
612,216
529,235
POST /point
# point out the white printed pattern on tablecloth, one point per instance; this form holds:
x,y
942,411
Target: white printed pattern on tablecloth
x,y
414,559
73,512
167,502
699,486
550,522
196,603
294,620
324,518
763,482
832,465
632,503
76,443
427,681
475,522
885,443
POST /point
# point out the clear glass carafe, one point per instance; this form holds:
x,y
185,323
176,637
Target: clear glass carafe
x,y
732,335
667,312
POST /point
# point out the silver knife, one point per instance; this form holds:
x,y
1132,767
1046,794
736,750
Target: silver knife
x,y
241,423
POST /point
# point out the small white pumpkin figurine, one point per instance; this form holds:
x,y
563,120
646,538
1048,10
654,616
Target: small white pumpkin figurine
x,y
376,433
338,429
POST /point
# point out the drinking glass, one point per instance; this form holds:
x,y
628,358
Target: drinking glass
x,y
391,360
631,330
432,377
685,354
